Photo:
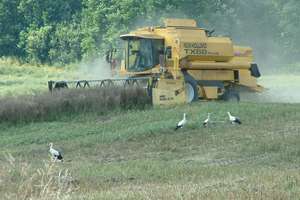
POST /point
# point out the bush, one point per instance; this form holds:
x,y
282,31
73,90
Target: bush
x,y
67,102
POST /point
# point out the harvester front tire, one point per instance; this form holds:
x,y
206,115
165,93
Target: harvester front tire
x,y
191,90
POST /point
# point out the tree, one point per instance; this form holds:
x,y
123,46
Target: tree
x,y
35,41
65,44
11,23
64,31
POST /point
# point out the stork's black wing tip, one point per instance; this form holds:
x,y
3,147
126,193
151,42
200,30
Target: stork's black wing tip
x,y
177,127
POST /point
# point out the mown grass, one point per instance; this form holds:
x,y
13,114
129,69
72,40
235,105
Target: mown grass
x,y
138,155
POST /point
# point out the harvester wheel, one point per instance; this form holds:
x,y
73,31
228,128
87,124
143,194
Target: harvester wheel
x,y
231,95
191,90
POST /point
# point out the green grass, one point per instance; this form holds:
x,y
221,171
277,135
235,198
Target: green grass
x,y
138,155
27,79
16,80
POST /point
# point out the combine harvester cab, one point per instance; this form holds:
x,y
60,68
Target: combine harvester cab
x,y
182,63
186,63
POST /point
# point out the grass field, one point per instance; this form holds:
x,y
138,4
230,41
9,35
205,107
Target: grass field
x,y
137,154
27,79
16,80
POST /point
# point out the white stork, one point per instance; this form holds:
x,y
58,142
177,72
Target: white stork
x,y
207,121
182,122
56,155
233,119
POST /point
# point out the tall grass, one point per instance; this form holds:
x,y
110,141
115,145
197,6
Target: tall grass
x,y
20,181
52,106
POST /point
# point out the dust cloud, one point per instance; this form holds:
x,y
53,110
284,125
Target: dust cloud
x,y
95,69
280,80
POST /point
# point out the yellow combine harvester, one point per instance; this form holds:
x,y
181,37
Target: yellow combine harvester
x,y
190,64
184,63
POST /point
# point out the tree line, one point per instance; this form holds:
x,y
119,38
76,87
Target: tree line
x,y
67,31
